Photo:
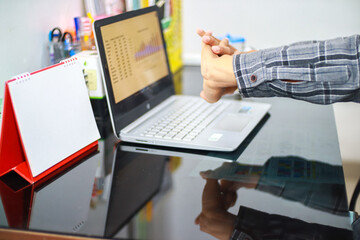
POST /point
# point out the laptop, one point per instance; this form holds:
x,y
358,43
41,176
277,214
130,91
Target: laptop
x,y
218,156
140,91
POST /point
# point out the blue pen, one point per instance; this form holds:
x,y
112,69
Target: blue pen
x,y
77,28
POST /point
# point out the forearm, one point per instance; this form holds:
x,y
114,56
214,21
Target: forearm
x,y
324,71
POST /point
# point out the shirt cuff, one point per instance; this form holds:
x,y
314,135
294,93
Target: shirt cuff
x,y
249,71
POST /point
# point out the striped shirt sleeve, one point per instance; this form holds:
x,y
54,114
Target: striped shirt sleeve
x,y
326,71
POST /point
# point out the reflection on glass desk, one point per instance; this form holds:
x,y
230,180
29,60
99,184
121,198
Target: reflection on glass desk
x,y
149,196
284,182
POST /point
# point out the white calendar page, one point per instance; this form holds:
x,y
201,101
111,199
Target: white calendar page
x,y
54,114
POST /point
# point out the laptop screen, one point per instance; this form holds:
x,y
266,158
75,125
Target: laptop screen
x,y
134,63
135,54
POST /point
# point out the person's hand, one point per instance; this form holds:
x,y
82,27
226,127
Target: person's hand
x,y
214,218
216,67
219,47
218,75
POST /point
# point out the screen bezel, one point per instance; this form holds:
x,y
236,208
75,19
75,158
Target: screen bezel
x,y
129,109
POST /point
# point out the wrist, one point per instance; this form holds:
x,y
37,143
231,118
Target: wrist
x,y
229,70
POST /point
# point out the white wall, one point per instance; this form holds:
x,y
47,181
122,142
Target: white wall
x,y
271,23
24,26
268,23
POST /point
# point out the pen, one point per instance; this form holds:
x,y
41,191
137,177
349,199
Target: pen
x,y
77,21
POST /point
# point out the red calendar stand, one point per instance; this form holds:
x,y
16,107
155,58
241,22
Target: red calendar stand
x,y
47,121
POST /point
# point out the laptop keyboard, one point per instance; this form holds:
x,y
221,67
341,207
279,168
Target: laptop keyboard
x,y
186,121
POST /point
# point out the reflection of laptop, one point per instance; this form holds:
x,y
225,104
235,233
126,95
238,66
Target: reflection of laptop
x,y
140,91
136,180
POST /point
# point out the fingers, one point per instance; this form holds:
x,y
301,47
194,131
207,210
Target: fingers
x,y
223,48
207,37
197,219
220,50
203,221
201,32
211,96
203,96
212,196
230,199
214,95
206,174
210,40
212,186
219,47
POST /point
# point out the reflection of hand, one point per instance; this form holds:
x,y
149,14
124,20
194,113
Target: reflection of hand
x,y
233,177
214,218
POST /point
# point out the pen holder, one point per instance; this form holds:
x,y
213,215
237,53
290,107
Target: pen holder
x,y
61,50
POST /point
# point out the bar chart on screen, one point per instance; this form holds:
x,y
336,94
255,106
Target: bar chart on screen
x,y
147,49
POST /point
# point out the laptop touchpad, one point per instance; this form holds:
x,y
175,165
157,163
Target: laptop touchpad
x,y
232,122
